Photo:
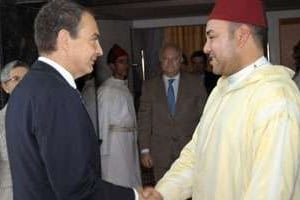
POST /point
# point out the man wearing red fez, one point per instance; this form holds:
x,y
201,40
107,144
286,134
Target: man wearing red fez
x,y
247,144
117,124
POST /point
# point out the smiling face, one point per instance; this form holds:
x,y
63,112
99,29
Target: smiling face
x,y
85,48
221,47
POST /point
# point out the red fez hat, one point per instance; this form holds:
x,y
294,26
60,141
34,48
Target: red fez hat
x,y
114,53
241,11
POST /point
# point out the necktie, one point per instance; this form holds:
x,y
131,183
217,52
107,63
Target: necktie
x,y
171,96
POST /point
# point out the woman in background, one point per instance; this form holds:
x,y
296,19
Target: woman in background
x,y
11,74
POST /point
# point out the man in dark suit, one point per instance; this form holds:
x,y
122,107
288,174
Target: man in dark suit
x,y
52,145
166,125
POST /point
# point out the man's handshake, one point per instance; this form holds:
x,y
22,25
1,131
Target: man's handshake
x,y
149,193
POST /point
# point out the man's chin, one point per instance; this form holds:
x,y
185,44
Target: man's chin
x,y
216,70
171,74
90,70
87,71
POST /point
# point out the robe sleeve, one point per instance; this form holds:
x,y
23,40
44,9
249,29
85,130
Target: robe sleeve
x,y
275,146
176,184
104,107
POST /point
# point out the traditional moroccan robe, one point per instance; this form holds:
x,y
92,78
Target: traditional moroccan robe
x,y
5,175
117,125
247,143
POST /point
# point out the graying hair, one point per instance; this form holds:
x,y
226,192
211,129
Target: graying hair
x,y
8,67
53,17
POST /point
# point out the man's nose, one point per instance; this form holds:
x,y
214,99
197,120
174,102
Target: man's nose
x,y
99,49
206,48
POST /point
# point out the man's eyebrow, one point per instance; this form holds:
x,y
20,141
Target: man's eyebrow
x,y
97,35
208,32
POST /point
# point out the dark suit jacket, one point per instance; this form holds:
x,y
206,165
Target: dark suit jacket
x,y
52,145
165,135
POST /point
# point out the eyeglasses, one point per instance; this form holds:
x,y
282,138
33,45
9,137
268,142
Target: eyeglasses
x,y
14,78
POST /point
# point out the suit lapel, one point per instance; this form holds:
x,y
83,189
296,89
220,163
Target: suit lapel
x,y
161,94
180,93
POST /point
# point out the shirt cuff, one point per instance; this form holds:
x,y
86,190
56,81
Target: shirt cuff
x,y
136,194
143,151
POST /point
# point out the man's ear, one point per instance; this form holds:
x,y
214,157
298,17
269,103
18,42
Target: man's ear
x,y
63,38
243,35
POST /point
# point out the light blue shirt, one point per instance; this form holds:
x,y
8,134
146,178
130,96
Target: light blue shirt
x,y
243,73
175,83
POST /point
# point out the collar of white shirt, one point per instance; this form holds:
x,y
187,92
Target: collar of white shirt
x,y
67,75
240,75
166,78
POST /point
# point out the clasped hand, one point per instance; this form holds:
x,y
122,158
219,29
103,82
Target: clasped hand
x,y
149,193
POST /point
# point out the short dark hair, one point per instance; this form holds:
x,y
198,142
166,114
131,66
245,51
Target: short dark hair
x,y
260,33
199,54
53,17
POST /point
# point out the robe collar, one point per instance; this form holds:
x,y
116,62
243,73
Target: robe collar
x,y
242,74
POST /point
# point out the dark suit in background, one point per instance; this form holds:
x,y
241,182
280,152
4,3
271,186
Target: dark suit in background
x,y
160,132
